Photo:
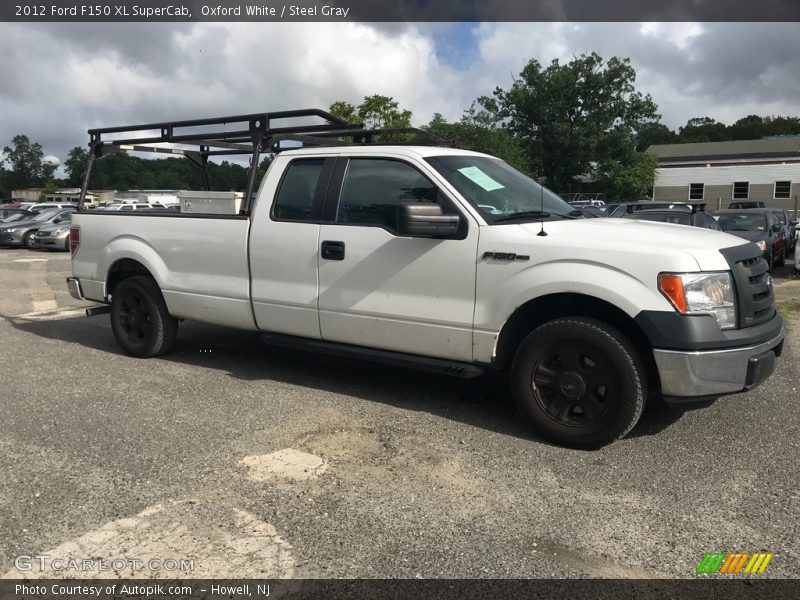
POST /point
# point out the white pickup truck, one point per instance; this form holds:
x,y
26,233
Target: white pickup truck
x,y
448,260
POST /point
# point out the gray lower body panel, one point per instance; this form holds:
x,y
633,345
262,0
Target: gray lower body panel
x,y
716,372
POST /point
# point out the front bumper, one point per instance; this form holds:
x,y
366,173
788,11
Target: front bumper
x,y
74,287
11,239
58,242
711,373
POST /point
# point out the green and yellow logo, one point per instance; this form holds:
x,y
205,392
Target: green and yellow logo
x,y
737,562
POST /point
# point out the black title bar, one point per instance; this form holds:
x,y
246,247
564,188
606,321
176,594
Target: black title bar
x,y
400,10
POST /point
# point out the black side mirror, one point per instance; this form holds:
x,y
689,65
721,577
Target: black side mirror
x,y
56,221
425,220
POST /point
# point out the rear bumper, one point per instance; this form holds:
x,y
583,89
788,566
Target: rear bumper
x,y
702,374
74,287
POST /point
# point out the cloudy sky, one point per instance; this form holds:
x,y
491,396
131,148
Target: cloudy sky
x,y
59,79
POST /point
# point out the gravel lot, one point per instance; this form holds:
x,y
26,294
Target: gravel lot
x,y
415,475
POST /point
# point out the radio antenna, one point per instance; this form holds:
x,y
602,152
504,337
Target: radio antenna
x,y
542,232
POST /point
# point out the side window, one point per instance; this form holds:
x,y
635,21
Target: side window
x,y
127,207
295,198
373,188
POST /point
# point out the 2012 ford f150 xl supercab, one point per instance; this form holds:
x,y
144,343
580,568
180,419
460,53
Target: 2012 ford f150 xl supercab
x,y
450,260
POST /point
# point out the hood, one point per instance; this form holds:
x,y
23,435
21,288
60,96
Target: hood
x,y
54,226
631,235
25,223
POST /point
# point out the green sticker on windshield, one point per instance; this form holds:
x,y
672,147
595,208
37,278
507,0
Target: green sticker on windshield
x,y
482,179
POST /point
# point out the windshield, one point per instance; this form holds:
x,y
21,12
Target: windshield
x,y
14,217
742,222
498,190
46,215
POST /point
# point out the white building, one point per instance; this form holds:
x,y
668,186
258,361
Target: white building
x,y
719,173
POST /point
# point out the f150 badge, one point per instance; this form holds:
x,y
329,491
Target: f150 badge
x,y
504,256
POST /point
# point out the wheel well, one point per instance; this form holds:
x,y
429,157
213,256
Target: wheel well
x,y
541,310
121,270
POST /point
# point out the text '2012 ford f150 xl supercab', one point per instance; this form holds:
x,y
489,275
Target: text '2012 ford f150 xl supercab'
x,y
440,259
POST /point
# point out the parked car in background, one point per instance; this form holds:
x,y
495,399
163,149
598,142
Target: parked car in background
x,y
45,205
631,207
129,206
789,227
55,236
797,263
22,232
758,225
692,218
747,204
7,212
590,211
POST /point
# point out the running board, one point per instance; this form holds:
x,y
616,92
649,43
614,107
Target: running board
x,y
386,357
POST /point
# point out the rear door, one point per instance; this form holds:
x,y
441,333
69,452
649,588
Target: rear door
x,y
284,245
382,290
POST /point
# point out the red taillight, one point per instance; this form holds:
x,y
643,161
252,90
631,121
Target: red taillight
x,y
74,239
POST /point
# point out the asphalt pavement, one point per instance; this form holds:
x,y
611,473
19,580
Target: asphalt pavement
x,y
255,461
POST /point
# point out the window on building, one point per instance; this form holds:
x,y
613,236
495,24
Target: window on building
x,y
741,190
696,191
783,190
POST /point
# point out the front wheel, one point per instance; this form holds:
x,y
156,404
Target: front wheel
x,y
29,240
140,320
579,382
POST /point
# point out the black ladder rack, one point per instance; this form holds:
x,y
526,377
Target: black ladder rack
x,y
252,134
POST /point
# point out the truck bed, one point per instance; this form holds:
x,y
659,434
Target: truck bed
x,y
199,261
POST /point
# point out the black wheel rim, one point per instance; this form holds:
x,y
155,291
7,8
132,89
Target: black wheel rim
x,y
575,383
135,318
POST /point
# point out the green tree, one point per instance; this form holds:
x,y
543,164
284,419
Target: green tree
x,y
25,160
473,133
344,110
703,129
571,117
654,133
376,112
75,165
630,180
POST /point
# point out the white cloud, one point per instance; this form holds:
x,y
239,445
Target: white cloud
x,y
74,76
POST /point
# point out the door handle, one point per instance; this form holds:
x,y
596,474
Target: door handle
x,y
333,250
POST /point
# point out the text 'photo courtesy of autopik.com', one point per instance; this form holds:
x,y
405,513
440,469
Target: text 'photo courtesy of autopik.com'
x,y
399,299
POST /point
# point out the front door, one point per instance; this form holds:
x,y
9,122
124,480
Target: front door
x,y
381,290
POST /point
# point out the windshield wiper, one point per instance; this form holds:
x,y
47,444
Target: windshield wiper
x,y
526,214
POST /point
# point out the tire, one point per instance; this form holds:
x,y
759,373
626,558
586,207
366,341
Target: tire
x,y
66,244
139,318
579,382
29,240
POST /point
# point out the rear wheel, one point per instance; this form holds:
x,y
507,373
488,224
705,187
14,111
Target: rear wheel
x,y
579,382
140,320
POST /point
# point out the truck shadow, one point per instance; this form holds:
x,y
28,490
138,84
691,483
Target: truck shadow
x,y
484,402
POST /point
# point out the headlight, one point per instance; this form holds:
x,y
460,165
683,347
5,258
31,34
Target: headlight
x,y
762,245
60,230
10,230
701,293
